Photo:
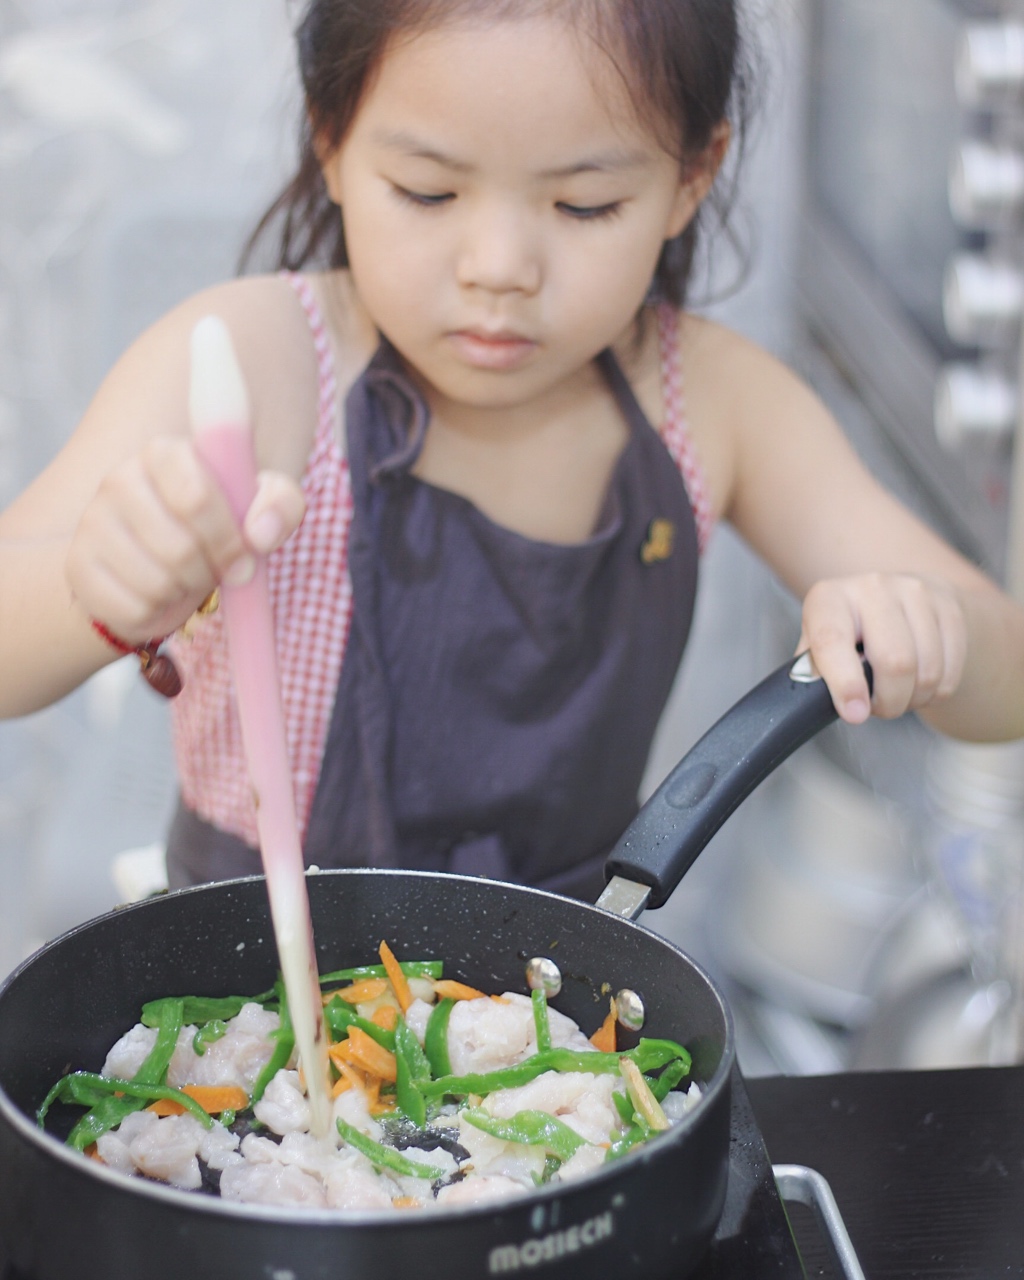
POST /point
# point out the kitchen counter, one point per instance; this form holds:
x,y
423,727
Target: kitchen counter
x,y
927,1166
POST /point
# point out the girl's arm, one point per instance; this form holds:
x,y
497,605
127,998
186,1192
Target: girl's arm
x,y
125,525
942,638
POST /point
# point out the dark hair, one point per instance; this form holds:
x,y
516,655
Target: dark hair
x,y
680,61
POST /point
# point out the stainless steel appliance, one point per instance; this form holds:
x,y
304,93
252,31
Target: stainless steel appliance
x,y
912,278
911,296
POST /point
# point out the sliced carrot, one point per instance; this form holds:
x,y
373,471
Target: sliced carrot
x,y
93,1154
386,1016
384,1106
338,1054
499,999
361,1050
341,1085
166,1107
406,1202
355,1078
217,1098
213,1098
367,989
603,1038
449,989
399,982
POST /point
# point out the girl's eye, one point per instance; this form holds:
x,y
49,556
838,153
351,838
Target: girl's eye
x,y
421,199
590,213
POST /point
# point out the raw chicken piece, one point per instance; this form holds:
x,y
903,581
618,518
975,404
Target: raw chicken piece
x,y
130,1052
218,1147
486,1035
586,1161
491,1156
417,1016
304,1170
579,1099
351,1107
676,1104
475,1190
237,1058
355,1185
284,1107
272,1183
167,1150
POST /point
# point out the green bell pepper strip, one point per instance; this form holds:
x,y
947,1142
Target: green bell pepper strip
x,y
208,1034
154,1069
541,1020
624,1106
435,1042
411,1066
382,1157
529,1128
284,1038
552,1164
202,1009
634,1135
662,1086
341,1016
419,1063
649,1055
90,1090
411,968
108,1111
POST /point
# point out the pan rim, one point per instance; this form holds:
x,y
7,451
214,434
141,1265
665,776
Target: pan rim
x,y
191,1201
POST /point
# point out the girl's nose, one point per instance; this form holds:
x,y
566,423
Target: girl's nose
x,y
499,253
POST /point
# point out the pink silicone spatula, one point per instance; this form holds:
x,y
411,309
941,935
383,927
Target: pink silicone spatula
x,y
219,411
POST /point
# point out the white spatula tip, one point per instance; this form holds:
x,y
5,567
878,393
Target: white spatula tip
x,y
217,394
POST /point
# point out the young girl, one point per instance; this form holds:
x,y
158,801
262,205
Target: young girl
x,y
493,446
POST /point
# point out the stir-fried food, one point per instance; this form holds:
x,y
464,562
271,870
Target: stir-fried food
x,y
442,1094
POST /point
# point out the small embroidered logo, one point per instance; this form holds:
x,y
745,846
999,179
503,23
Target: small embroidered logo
x,y
658,546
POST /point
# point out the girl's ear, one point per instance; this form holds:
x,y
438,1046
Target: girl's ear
x,y
698,178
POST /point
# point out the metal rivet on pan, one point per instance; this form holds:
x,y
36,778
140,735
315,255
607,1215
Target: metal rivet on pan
x,y
544,975
629,1009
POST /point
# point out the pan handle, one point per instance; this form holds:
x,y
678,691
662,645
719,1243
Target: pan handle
x,y
764,728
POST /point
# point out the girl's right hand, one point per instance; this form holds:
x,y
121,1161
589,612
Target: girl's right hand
x,y
158,537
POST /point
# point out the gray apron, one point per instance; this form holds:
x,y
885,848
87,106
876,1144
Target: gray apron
x,y
498,695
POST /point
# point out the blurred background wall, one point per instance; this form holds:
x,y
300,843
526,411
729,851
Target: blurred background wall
x,y
138,144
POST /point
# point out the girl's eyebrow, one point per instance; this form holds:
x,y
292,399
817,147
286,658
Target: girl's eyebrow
x,y
612,161
601,162
410,145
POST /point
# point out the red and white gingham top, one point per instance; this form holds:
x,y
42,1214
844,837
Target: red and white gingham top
x,y
312,597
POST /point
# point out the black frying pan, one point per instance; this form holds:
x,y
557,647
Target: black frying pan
x,y
652,1213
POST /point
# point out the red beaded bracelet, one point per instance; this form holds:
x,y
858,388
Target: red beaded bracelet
x,y
157,668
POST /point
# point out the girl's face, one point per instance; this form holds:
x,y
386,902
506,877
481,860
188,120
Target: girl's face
x,y
504,209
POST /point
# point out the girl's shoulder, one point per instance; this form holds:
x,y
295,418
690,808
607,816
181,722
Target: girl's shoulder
x,y
272,328
742,403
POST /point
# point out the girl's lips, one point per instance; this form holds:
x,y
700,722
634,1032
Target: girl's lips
x,y
491,350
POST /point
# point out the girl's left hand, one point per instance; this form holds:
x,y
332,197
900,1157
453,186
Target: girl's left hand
x,y
914,632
